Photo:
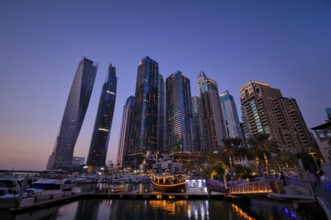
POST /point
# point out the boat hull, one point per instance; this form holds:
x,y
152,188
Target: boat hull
x,y
180,187
118,189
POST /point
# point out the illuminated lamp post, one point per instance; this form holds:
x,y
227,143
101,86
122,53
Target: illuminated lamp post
x,y
85,170
312,154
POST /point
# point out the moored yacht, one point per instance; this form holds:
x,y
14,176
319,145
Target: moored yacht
x,y
9,187
169,183
9,191
48,188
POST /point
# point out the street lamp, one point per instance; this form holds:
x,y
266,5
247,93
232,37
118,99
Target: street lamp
x,y
312,154
85,170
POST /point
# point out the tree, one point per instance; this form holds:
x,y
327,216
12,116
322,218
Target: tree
x,y
242,171
231,149
215,165
287,159
262,146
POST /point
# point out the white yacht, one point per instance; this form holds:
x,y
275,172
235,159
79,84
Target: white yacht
x,y
9,190
49,188
9,187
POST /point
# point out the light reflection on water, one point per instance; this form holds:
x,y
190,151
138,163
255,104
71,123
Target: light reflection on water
x,y
164,209
161,209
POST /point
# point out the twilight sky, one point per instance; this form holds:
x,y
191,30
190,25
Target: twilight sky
x,y
286,43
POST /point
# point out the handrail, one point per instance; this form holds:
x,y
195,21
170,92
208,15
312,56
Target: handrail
x,y
262,186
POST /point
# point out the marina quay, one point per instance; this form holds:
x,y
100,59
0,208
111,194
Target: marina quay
x,y
33,192
165,110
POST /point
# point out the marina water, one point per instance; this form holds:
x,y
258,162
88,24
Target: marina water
x,y
100,209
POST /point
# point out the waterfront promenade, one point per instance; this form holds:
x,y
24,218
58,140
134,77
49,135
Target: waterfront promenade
x,y
295,191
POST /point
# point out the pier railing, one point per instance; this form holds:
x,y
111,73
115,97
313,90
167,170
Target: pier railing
x,y
258,187
293,187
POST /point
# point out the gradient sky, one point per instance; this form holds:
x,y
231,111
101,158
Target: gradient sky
x,y
286,43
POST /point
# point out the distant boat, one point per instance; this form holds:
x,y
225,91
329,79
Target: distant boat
x,y
47,188
118,189
9,191
110,188
169,183
9,186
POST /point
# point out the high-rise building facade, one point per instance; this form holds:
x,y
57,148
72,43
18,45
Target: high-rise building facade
x,y
264,109
145,123
179,133
101,132
212,113
123,146
323,137
328,113
161,115
198,128
74,114
230,116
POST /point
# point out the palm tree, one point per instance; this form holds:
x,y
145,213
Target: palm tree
x,y
262,146
231,148
241,153
287,159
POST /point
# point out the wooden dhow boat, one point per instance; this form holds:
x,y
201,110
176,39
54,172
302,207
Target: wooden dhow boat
x,y
169,183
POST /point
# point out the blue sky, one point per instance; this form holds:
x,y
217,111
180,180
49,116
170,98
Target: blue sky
x,y
286,43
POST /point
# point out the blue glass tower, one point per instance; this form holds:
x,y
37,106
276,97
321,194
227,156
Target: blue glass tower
x,y
161,115
74,114
230,116
198,128
101,132
328,112
123,146
145,126
179,127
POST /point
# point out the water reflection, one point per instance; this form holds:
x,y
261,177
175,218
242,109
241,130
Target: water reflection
x,y
137,188
87,209
274,210
240,212
48,213
166,209
162,209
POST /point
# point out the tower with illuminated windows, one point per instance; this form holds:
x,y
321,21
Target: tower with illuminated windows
x,y
198,127
230,116
145,127
179,126
101,132
74,114
213,121
264,109
123,146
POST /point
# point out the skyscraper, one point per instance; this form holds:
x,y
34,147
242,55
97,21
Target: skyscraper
x,y
328,112
101,132
123,146
179,133
264,109
323,137
198,128
212,113
161,115
74,114
230,116
145,127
